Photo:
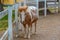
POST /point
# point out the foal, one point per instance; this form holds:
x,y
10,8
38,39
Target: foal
x,y
28,16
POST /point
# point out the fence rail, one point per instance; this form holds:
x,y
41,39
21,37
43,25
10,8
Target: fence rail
x,y
8,33
3,13
4,36
8,11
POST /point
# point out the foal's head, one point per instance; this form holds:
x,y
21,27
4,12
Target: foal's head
x,y
22,12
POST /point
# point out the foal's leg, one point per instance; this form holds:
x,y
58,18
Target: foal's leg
x,y
29,27
20,27
25,31
35,27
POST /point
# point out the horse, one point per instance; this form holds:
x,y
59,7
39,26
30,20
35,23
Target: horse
x,y
28,16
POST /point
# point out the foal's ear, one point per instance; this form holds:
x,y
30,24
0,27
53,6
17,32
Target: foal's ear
x,y
23,8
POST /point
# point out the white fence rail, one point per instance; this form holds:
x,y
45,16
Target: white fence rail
x,y
4,36
9,33
3,13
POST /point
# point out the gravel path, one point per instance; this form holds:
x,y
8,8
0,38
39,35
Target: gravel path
x,y
48,28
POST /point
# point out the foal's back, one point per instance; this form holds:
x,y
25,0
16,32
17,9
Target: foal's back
x,y
30,9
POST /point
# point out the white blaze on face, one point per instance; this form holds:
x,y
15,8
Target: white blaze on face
x,y
22,16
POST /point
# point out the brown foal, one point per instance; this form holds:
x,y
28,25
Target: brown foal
x,y
27,19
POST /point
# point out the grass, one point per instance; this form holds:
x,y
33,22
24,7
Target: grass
x,y
4,22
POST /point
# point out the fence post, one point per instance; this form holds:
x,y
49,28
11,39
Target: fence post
x,y
19,4
16,18
24,2
10,33
45,11
37,7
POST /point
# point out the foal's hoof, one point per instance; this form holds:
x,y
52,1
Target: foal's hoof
x,y
28,37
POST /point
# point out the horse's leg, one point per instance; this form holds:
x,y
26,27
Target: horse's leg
x,y
29,27
25,31
35,27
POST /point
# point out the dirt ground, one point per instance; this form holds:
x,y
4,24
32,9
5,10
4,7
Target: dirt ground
x,y
48,28
1,33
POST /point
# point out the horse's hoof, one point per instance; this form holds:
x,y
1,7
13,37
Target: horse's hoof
x,y
28,37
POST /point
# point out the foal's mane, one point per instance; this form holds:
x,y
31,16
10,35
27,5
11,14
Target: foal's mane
x,y
22,8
